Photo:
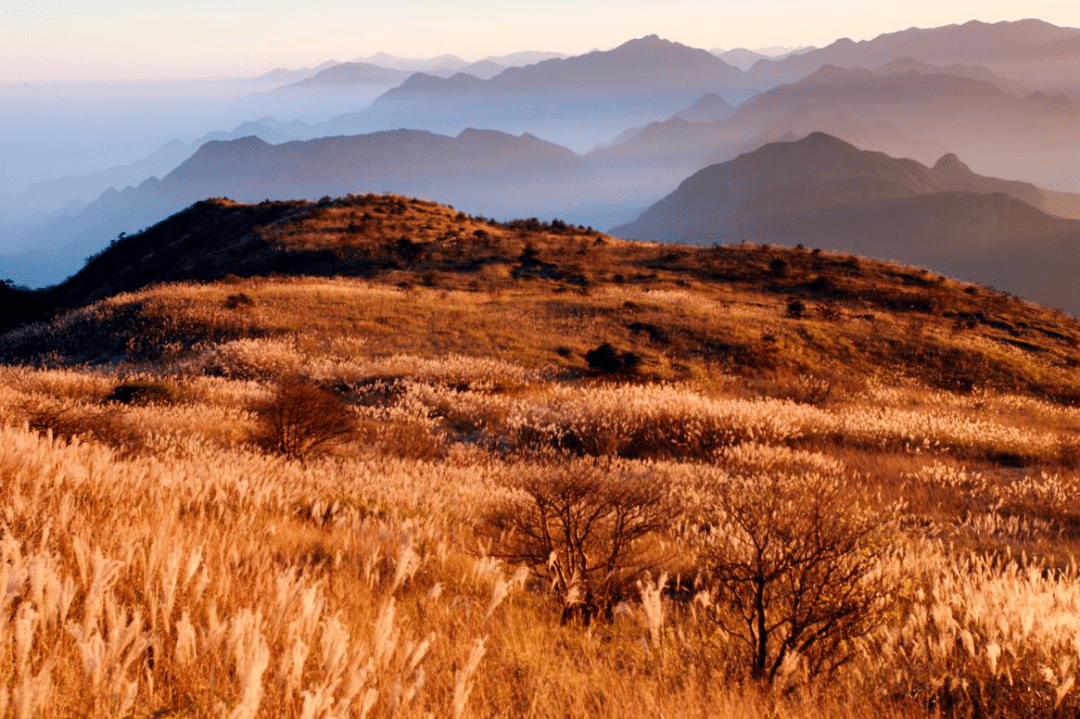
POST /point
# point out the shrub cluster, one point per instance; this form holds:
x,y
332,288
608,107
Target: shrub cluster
x,y
609,360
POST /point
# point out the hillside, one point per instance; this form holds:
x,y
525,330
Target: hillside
x,y
347,444
398,242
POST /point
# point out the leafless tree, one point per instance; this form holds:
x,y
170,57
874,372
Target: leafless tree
x,y
580,524
795,568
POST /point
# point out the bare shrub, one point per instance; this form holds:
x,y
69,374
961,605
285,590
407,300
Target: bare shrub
x,y
301,419
83,422
805,389
778,267
582,526
238,300
64,421
795,573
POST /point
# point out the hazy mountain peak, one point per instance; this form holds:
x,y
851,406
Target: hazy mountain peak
x,y
423,82
950,164
825,141
653,44
827,74
904,64
652,39
710,107
173,145
1052,103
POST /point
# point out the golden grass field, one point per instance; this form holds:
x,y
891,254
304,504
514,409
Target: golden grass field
x,y
159,562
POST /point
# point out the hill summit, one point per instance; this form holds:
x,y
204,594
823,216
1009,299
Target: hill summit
x,y
222,270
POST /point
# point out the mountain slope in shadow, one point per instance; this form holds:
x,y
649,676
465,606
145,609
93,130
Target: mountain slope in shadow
x,y
824,192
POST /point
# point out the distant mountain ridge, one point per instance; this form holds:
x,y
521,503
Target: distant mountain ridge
x,y
643,63
576,101
976,118
709,108
806,175
1008,48
284,75
905,108
347,74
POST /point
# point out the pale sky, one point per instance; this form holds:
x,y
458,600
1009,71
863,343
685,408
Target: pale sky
x,y
77,40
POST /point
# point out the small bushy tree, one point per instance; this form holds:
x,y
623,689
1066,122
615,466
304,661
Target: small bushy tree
x,y
300,419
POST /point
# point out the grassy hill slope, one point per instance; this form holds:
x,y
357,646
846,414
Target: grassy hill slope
x,y
150,521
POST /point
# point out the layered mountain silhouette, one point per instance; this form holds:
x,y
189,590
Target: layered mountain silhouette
x,y
1001,134
283,75
907,90
68,195
824,192
974,72
905,108
487,171
577,101
451,63
745,59
740,57
709,108
447,65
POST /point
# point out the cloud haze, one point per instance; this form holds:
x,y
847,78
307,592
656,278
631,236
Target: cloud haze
x,y
118,39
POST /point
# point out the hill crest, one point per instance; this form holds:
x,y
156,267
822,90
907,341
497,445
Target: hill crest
x,y
225,253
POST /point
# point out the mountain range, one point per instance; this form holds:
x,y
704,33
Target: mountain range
x,y
745,59
907,108
1022,51
929,95
345,76
577,101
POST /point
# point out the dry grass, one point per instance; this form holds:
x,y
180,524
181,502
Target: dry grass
x,y
156,562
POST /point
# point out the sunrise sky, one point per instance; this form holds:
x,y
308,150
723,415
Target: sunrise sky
x,y
51,40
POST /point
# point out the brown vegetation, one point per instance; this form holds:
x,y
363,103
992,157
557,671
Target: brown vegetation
x,y
469,482
299,419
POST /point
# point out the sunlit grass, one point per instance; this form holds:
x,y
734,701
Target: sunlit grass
x,y
156,562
